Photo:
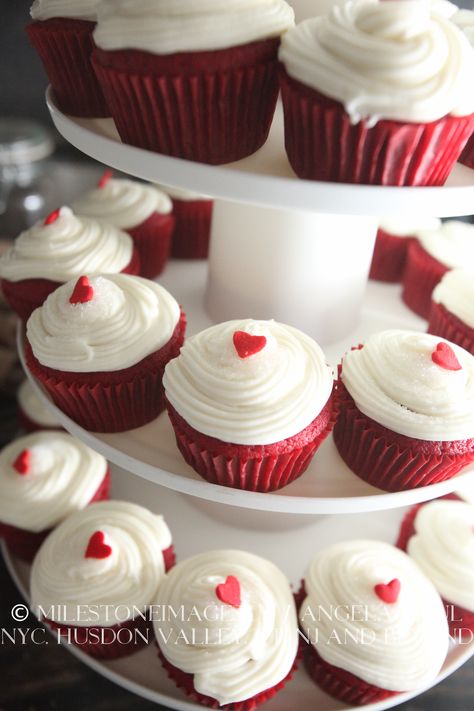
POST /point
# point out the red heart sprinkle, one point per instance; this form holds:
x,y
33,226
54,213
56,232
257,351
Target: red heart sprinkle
x,y
445,357
52,217
229,592
22,463
105,178
246,345
82,292
96,548
388,592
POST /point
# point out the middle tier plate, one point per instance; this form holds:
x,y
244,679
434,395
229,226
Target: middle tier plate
x,y
327,487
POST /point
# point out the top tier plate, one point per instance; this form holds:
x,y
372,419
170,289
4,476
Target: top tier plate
x,y
264,178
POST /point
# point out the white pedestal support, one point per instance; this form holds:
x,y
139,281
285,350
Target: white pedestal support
x,y
305,269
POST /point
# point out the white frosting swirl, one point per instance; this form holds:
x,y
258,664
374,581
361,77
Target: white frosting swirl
x,y
128,319
464,19
168,26
265,398
394,381
456,293
398,646
63,477
123,203
443,547
127,581
68,247
452,244
402,60
34,408
75,9
234,653
402,226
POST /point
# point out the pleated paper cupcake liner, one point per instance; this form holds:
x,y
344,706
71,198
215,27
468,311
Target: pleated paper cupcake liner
x,y
152,239
389,258
446,325
192,228
467,156
422,274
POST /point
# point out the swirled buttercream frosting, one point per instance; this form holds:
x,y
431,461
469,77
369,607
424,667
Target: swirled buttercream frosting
x,y
169,26
237,629
355,622
112,586
127,319
60,475
33,408
404,60
395,380
67,247
75,9
443,548
123,203
455,292
402,226
452,244
269,396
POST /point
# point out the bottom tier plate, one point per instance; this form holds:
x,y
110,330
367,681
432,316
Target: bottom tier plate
x,y
142,674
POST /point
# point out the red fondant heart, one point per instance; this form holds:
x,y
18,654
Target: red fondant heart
x,y
445,357
52,217
82,292
22,463
229,592
246,345
388,592
105,178
96,548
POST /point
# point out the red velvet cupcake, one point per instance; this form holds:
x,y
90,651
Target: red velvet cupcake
x,y
97,574
28,273
235,642
464,19
139,209
406,404
192,230
250,403
64,44
452,309
45,477
350,118
438,536
374,625
193,82
99,347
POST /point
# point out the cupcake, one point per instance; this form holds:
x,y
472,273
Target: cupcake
x,y
452,309
464,19
192,80
59,248
370,94
250,402
96,575
391,244
439,537
61,33
430,256
32,414
45,477
235,641
406,404
137,208
99,346
192,230
375,626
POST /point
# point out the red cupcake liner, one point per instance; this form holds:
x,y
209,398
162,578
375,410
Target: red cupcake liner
x,y
252,467
65,46
446,325
29,425
192,228
467,156
212,107
422,273
389,258
152,240
112,401
25,544
392,461
29,294
322,144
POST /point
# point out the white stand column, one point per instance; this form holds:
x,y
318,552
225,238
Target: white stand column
x,y
305,269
